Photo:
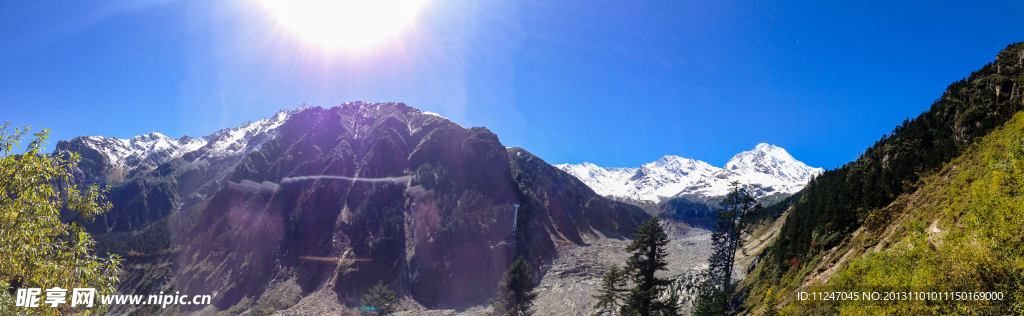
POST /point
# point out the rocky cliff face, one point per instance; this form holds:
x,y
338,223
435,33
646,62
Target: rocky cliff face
x,y
151,176
338,199
565,207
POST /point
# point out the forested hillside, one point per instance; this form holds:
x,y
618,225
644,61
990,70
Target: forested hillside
x,y
962,231
861,193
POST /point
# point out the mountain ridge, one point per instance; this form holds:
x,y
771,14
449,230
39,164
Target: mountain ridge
x,y
148,151
874,207
426,201
765,170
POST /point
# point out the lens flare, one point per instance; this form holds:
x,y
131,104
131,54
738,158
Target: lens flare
x,y
345,23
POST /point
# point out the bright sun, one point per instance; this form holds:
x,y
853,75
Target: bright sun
x,y
345,23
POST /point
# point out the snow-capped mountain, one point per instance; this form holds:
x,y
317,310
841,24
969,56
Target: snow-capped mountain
x,y
289,183
150,150
651,181
765,170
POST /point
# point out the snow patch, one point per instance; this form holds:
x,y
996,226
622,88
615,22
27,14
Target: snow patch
x,y
155,148
439,115
765,170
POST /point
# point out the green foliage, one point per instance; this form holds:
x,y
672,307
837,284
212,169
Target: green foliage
x,y
976,245
649,295
739,209
863,192
962,231
711,301
381,298
278,297
515,292
153,240
770,302
612,292
893,166
236,309
774,208
37,249
647,258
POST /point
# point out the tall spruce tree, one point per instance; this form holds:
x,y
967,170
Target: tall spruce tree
x,y
381,299
732,222
612,292
710,300
515,292
648,257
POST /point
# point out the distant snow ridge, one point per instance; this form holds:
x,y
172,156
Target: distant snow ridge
x,y
765,170
154,148
442,117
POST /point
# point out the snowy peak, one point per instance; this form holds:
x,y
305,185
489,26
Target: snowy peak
x,y
650,182
249,136
771,160
602,180
762,155
433,114
765,170
679,165
151,150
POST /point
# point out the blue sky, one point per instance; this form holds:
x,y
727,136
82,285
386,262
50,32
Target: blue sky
x,y
616,83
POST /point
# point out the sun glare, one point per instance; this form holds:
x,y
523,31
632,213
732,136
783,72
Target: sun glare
x,y
345,23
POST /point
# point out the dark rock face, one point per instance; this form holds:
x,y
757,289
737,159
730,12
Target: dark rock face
x,y
412,200
93,164
146,196
345,197
564,206
689,210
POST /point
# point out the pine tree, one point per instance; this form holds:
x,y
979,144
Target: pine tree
x,y
381,299
738,209
710,300
515,292
611,292
648,257
769,304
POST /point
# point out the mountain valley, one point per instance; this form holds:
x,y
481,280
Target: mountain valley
x,y
316,203
302,212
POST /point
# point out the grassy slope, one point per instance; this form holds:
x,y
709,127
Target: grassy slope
x,y
840,201
962,230
859,202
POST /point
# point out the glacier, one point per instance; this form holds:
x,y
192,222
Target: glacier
x,y
765,170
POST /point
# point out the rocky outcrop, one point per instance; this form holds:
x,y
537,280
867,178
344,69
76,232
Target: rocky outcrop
x,y
342,198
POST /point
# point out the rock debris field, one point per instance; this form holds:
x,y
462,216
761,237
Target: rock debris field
x,y
575,275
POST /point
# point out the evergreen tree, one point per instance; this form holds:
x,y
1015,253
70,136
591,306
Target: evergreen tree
x,y
37,249
380,298
612,292
710,300
738,209
769,304
839,201
515,292
648,257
